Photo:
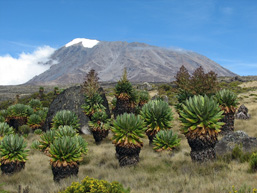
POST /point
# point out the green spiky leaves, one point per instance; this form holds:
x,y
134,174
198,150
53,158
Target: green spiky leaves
x,y
12,149
158,115
165,140
65,151
34,121
227,100
99,121
202,113
128,129
65,117
19,110
93,104
5,129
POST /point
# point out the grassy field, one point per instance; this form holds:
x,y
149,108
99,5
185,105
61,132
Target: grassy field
x,y
156,172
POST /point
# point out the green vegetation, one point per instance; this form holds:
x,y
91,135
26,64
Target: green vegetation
x,y
200,118
5,129
65,117
165,140
158,116
12,149
95,185
253,162
128,130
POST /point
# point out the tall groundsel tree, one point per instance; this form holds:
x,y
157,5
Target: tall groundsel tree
x,y
125,95
158,116
227,101
200,117
93,99
128,129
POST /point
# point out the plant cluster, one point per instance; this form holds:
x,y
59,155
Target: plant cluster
x,y
200,117
19,111
12,149
200,83
96,186
158,116
166,140
65,117
5,129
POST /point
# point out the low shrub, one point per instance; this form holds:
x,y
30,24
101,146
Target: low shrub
x,y
253,162
96,186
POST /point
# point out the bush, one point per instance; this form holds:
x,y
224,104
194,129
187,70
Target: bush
x,y
38,131
97,186
24,130
65,117
253,162
19,110
5,129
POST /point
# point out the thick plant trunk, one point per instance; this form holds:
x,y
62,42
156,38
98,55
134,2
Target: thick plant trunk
x,y
127,156
202,148
123,106
99,135
64,172
12,167
151,137
229,119
16,122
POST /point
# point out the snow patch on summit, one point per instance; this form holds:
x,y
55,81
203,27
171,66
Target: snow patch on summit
x,y
87,43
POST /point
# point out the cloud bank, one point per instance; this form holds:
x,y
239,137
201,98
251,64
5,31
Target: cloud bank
x,y
19,70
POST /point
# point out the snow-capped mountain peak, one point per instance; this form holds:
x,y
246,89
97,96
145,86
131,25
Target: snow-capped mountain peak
x,y
87,43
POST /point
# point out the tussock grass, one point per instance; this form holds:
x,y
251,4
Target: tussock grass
x,y
156,172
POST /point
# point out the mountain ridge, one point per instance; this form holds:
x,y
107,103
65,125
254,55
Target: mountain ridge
x,y
143,62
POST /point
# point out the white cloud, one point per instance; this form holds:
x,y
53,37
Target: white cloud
x,y
19,70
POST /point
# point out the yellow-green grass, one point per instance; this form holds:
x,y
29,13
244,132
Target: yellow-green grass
x,y
156,172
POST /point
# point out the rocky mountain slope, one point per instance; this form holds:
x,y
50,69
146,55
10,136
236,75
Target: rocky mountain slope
x,y
143,62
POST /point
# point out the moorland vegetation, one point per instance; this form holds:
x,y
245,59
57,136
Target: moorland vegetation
x,y
145,146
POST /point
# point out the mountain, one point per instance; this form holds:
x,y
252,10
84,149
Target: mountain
x,y
144,62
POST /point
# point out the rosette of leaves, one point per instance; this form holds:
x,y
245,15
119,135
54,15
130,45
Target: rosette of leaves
x,y
93,104
13,153
46,139
128,130
65,117
19,111
158,116
82,144
182,96
24,130
66,130
42,113
165,140
143,98
35,104
38,131
2,119
4,113
99,125
65,155
34,121
200,117
227,101
5,129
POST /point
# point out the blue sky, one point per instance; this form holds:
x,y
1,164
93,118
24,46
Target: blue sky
x,y
223,30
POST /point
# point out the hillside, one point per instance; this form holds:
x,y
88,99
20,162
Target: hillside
x,y
144,62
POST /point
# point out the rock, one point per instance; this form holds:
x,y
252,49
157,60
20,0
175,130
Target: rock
x,y
231,140
164,98
145,86
242,113
72,99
